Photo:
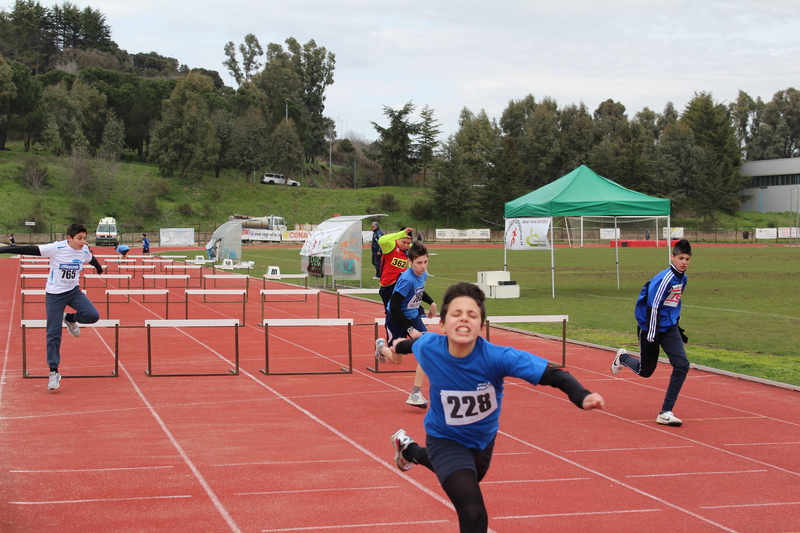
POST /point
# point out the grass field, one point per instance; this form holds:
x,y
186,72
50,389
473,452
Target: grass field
x,y
741,309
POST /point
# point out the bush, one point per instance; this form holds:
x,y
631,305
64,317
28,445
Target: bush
x,y
387,202
34,176
422,210
186,209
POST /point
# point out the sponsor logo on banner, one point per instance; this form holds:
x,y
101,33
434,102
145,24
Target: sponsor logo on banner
x,y
527,234
261,235
483,234
297,235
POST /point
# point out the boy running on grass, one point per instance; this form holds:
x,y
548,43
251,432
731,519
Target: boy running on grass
x,y
62,290
658,313
466,374
404,314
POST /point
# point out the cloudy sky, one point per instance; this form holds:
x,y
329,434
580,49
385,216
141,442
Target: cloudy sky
x,y
452,54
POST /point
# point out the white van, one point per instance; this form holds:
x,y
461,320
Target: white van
x,y
106,234
278,179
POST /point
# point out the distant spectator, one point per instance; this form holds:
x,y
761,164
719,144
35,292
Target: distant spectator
x,y
12,240
647,235
377,254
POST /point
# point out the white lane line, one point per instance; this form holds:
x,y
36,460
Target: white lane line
x,y
103,500
764,444
700,473
593,513
73,470
298,491
198,476
534,480
749,505
11,318
352,526
603,450
288,462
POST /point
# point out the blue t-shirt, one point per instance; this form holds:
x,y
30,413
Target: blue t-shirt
x,y
411,287
122,249
466,393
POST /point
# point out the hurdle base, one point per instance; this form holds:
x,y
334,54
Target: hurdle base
x,y
343,370
27,375
377,369
230,372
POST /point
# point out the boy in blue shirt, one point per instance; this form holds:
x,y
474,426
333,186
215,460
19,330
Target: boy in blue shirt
x,y
145,244
466,374
658,313
404,314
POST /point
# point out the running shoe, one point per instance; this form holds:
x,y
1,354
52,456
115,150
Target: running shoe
x,y
401,441
616,366
668,419
380,344
417,400
53,381
73,327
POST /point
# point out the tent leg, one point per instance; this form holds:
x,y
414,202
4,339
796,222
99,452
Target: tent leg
x,y
552,259
616,248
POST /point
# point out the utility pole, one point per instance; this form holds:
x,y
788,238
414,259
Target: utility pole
x,y
287,109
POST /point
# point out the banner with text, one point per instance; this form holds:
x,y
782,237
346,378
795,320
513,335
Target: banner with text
x,y
527,234
299,235
484,234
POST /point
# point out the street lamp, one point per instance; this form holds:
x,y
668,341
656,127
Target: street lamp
x,y
287,109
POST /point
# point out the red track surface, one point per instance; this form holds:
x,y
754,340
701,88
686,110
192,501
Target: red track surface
x,y
255,453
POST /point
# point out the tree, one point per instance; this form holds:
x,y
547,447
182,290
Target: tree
x,y
777,127
8,92
428,133
396,152
575,137
451,192
250,51
539,147
26,116
503,180
76,116
184,139
249,142
516,115
113,138
285,150
475,138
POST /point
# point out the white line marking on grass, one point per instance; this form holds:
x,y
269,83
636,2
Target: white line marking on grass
x,y
73,470
699,473
749,505
102,500
334,489
593,513
352,526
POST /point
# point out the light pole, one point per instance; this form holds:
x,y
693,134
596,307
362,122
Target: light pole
x,y
287,110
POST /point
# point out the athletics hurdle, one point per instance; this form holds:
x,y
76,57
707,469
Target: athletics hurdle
x,y
224,322
166,277
86,278
42,324
137,292
211,292
289,322
135,268
348,292
279,277
229,277
34,292
530,319
25,277
287,292
382,322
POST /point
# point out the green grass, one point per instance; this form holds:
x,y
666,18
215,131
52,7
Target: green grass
x,y
741,309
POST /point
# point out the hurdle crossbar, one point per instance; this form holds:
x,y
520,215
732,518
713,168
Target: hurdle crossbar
x,y
281,277
223,322
42,324
212,292
300,322
166,278
33,292
493,320
382,322
350,292
229,277
87,277
287,292
24,277
138,292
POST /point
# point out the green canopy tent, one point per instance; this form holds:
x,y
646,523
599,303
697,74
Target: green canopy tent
x,y
583,193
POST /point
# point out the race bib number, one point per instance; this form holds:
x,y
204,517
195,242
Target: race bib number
x,y
416,300
674,296
466,407
68,273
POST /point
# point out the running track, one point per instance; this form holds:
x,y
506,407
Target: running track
x,y
257,453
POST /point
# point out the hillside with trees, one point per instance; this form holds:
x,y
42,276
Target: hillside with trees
x,y
80,105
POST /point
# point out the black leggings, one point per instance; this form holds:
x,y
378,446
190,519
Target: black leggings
x,y
463,490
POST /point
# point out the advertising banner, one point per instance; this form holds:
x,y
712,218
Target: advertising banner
x,y
463,234
297,235
322,242
249,234
527,234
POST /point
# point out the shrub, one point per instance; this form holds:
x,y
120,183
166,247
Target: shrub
x,y
387,202
185,209
422,210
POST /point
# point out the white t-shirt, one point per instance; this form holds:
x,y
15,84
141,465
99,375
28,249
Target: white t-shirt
x,y
66,264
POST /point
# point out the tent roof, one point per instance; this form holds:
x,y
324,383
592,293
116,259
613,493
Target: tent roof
x,y
584,193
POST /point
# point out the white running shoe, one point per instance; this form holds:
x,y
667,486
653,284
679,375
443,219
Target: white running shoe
x,y
668,419
616,365
53,381
73,327
417,400
400,441
380,344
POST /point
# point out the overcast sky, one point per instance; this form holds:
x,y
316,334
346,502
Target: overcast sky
x,y
452,54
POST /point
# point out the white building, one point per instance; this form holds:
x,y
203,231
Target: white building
x,y
774,185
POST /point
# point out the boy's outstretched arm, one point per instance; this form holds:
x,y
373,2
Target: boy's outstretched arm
x,y
577,394
21,250
96,264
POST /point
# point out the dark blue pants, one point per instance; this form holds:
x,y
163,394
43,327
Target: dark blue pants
x,y
85,313
670,341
